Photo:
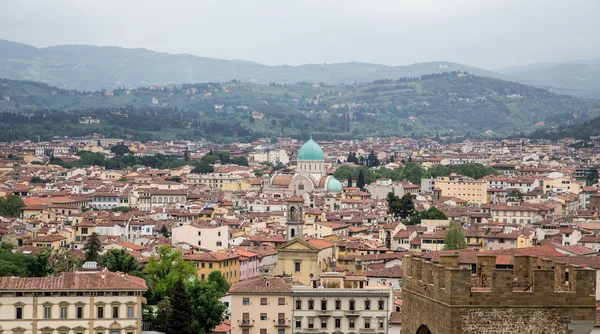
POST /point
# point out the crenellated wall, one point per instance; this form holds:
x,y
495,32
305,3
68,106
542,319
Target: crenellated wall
x,y
449,299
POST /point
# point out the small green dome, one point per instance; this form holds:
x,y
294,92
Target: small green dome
x,y
311,151
333,185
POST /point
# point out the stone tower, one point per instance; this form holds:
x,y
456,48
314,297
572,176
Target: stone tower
x,y
294,218
537,296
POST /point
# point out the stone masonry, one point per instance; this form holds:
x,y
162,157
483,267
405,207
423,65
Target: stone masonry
x,y
537,296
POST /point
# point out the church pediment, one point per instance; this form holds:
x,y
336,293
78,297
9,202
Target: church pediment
x,y
297,245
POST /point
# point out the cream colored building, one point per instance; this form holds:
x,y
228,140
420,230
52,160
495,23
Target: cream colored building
x,y
467,189
261,306
303,260
213,237
80,302
557,183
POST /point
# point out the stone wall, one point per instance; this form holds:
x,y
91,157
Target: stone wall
x,y
534,297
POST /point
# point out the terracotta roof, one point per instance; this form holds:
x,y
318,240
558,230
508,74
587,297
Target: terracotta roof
x,y
211,256
260,285
75,281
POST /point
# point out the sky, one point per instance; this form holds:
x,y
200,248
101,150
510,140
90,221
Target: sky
x,y
490,34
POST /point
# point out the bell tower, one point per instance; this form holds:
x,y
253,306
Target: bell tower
x,y
294,218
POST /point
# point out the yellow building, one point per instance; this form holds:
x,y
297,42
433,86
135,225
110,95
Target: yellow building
x,y
227,263
557,184
303,260
467,189
241,185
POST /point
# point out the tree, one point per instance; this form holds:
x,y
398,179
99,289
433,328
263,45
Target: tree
x,y
120,149
592,177
164,270
402,208
240,161
165,231
360,182
92,247
11,205
220,281
433,213
120,260
164,314
203,168
455,237
62,261
349,180
209,310
186,155
182,320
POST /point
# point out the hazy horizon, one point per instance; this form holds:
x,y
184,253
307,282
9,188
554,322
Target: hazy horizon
x,y
490,35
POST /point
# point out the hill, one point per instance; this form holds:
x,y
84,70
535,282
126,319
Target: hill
x,y
578,78
578,131
105,67
448,103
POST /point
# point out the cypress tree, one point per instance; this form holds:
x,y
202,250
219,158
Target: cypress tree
x,y
182,319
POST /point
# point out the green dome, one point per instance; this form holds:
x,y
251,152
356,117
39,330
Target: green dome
x,y
311,151
333,185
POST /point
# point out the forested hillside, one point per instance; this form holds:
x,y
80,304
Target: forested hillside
x,y
449,103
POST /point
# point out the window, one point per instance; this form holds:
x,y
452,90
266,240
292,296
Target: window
x,y
202,265
263,301
324,305
311,323
381,323
350,323
297,267
367,323
115,312
281,331
338,322
129,311
298,323
100,312
202,276
210,265
47,312
245,331
311,304
367,304
263,331
19,313
351,308
298,304
338,304
281,301
219,244
381,305
246,301
199,233
324,323
63,312
263,316
219,234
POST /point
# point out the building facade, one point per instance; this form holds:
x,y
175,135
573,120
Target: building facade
x,y
75,302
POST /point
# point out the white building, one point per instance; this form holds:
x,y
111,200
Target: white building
x,y
212,236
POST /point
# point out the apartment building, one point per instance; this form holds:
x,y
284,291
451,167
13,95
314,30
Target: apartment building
x,y
212,236
261,306
464,188
341,304
228,263
99,302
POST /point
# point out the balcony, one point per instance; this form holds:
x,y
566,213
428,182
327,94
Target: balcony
x,y
311,330
367,330
323,313
246,323
353,313
281,323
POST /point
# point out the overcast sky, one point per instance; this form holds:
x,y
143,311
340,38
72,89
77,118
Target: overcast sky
x,y
484,33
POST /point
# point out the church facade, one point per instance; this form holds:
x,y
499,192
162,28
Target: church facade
x,y
311,174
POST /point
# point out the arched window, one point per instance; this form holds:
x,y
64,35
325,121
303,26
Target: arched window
x,y
171,200
301,186
160,200
292,232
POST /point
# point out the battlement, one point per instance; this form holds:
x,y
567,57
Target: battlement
x,y
533,282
